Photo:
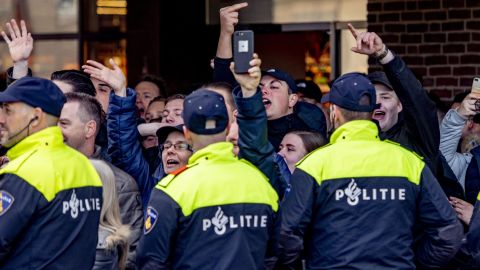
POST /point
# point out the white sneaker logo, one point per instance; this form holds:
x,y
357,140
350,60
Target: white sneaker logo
x,y
352,192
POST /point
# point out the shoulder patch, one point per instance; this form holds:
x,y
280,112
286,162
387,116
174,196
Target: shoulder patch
x,y
6,201
150,220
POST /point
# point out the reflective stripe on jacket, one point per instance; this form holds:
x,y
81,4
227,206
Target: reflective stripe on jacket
x,y
359,191
219,213
51,198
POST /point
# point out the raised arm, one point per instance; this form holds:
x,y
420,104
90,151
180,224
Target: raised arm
x,y
20,45
451,132
228,20
418,110
252,123
124,147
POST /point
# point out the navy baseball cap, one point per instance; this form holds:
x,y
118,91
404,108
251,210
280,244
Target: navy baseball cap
x,y
309,89
347,91
163,132
205,112
35,92
282,76
381,78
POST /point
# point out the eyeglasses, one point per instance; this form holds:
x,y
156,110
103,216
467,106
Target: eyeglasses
x,y
176,146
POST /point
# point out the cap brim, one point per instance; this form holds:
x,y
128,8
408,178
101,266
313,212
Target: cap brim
x,y
326,98
272,74
6,97
163,132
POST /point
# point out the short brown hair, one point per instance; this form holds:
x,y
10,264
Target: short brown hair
x,y
175,96
89,108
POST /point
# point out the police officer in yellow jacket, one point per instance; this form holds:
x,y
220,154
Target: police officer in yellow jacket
x,y
50,195
358,202
216,213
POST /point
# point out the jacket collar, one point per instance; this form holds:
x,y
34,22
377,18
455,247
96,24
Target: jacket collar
x,y
48,137
212,151
357,130
96,152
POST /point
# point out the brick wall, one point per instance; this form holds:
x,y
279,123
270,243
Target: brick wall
x,y
438,39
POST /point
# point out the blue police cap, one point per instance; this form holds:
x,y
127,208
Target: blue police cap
x,y
204,112
347,91
35,92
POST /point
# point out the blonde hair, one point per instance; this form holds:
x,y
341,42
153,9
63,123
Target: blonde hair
x,y
110,214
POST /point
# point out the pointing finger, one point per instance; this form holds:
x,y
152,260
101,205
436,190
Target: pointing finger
x,y
237,6
352,30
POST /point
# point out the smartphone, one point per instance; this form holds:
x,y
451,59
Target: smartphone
x,y
242,50
476,85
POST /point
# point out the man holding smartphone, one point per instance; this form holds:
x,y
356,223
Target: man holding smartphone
x,y
284,112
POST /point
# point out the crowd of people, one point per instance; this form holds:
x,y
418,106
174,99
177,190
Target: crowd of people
x,y
250,171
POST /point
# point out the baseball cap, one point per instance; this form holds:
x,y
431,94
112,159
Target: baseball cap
x,y
381,78
282,76
347,91
36,92
205,112
309,89
163,132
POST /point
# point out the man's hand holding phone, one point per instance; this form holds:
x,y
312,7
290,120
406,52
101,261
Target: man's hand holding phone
x,y
242,50
249,81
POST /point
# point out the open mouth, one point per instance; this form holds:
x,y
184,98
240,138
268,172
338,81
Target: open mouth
x,y
172,162
378,114
266,103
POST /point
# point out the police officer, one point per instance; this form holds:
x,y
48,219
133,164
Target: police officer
x,y
218,212
355,202
50,194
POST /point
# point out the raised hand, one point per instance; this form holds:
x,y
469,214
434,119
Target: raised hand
x,y
20,42
368,43
249,81
467,107
113,77
228,20
229,17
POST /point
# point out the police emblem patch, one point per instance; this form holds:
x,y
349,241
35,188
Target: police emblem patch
x,y
150,219
6,201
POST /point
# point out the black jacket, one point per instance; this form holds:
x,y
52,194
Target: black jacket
x,y
357,202
417,128
305,116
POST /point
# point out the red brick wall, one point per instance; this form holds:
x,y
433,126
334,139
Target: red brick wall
x,y
438,39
